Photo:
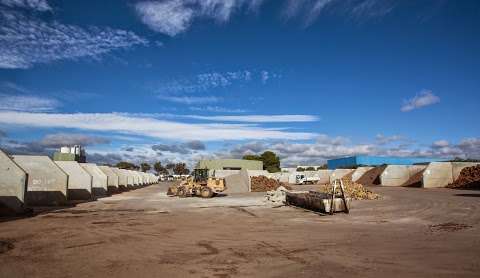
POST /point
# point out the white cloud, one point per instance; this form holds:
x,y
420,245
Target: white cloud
x,y
27,40
148,126
259,118
27,103
217,109
424,98
38,5
190,99
172,17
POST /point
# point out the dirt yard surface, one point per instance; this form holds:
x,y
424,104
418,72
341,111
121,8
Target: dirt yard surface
x,y
410,232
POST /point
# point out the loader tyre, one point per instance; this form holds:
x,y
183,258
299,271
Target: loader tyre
x,y
206,192
182,192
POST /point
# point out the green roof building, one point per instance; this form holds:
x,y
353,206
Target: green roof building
x,y
230,164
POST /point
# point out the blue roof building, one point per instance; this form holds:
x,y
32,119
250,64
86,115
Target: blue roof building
x,y
355,161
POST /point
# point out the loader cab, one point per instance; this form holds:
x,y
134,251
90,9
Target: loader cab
x,y
200,175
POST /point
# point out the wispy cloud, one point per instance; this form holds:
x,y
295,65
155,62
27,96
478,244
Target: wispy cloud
x,y
424,98
27,103
190,99
172,17
38,5
148,126
217,109
25,39
259,118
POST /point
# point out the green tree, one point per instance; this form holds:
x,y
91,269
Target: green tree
x,y
310,168
252,157
323,167
181,169
271,162
145,167
158,167
126,165
300,169
170,166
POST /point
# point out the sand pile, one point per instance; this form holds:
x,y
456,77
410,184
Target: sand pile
x,y
353,190
469,178
264,184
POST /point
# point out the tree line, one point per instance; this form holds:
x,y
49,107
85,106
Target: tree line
x,y
177,168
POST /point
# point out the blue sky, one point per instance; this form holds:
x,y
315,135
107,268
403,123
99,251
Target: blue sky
x,y
181,80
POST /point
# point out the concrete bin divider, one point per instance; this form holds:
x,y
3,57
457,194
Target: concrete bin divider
x,y
135,178
112,179
122,178
359,172
441,174
46,183
130,178
99,181
437,174
395,175
238,183
340,173
13,185
79,180
140,177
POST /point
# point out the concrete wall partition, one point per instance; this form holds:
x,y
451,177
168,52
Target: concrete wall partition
x,y
238,183
441,174
130,178
122,178
112,179
99,181
438,174
359,172
256,173
13,185
395,175
339,173
136,181
79,180
139,178
46,184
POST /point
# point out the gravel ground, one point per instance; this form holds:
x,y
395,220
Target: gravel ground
x,y
410,232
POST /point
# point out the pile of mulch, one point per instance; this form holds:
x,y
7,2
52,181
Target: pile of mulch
x,y
469,178
264,184
353,190
372,176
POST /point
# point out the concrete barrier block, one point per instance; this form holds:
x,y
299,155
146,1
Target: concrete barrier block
x,y
438,174
359,172
79,180
46,184
122,178
130,179
340,173
99,179
112,179
13,185
395,175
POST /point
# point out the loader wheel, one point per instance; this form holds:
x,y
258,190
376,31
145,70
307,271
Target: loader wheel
x,y
206,192
182,192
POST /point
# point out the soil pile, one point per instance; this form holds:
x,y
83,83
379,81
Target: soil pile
x,y
264,184
353,190
372,177
469,178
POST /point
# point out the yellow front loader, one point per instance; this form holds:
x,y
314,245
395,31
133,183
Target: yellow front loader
x,y
198,185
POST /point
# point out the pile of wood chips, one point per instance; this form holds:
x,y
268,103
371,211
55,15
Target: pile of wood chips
x,y
469,178
353,190
264,184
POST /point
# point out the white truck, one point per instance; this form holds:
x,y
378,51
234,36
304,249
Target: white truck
x,y
306,179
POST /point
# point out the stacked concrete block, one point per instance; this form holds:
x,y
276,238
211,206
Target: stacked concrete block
x,y
395,175
112,179
130,178
79,180
339,173
46,184
122,178
13,185
99,180
359,172
441,174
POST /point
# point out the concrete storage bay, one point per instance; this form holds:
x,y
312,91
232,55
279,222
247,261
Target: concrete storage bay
x,y
46,184
13,185
79,180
